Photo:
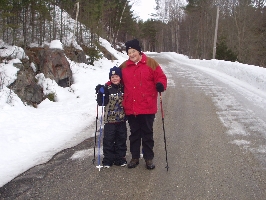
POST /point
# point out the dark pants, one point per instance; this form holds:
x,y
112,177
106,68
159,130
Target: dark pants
x,y
114,142
141,128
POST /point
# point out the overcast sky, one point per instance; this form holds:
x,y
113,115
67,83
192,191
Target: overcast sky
x,y
143,8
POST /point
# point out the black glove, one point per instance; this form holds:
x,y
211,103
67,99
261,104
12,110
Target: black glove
x,y
159,87
102,95
97,88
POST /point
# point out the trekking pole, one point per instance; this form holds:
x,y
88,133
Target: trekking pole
x,y
161,102
95,136
99,139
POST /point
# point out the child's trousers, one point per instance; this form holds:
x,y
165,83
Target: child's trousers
x,y
114,142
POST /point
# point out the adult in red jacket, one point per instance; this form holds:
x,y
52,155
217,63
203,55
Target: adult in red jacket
x,y
143,78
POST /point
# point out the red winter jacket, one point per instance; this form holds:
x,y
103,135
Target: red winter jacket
x,y
140,94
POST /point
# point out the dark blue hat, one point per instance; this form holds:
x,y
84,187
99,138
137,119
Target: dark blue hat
x,y
133,44
115,71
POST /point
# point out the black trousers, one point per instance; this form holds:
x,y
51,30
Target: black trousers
x,y
141,128
114,142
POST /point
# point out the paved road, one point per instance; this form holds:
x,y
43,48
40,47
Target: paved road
x,y
204,163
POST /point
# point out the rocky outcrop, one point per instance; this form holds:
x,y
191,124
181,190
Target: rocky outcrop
x,y
51,62
54,65
25,86
76,55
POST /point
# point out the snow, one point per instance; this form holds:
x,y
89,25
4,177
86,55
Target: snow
x,y
56,44
31,136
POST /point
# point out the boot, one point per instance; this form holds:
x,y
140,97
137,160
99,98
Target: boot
x,y
133,163
149,164
121,162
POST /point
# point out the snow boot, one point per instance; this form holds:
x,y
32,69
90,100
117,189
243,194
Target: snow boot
x,y
133,163
149,164
121,162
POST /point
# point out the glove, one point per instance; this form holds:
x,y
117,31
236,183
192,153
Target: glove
x,y
102,95
97,88
102,90
159,87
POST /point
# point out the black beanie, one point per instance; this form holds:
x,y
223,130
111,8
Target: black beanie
x,y
115,71
133,44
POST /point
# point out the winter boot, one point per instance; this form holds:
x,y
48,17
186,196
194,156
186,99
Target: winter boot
x,y
149,164
121,162
133,163
107,164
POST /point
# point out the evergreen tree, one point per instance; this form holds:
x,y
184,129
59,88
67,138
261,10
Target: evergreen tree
x,y
223,52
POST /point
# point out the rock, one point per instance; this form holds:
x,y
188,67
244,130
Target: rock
x,y
76,55
54,65
51,62
25,86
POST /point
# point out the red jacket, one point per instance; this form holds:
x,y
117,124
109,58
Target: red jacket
x,y
140,94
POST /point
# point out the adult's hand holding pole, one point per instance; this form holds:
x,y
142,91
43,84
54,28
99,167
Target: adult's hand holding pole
x,y
159,87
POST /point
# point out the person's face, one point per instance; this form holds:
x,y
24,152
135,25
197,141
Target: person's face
x,y
115,79
134,55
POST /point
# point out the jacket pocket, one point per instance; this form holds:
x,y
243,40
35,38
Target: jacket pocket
x,y
147,101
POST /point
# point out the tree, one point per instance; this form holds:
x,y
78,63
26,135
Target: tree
x,y
223,52
185,29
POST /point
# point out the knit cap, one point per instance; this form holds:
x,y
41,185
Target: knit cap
x,y
133,44
115,71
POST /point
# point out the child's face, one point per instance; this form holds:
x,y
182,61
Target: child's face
x,y
115,79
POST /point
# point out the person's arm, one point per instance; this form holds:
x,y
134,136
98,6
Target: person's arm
x,y
160,79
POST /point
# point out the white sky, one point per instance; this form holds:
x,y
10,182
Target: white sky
x,y
31,136
143,8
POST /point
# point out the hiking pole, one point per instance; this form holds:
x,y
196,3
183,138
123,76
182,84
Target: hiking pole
x,y
95,136
99,139
161,102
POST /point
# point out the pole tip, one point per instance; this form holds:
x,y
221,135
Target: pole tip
x,y
99,167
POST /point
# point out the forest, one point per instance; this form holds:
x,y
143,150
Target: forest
x,y
232,30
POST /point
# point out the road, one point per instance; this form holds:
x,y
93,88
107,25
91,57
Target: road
x,y
204,161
